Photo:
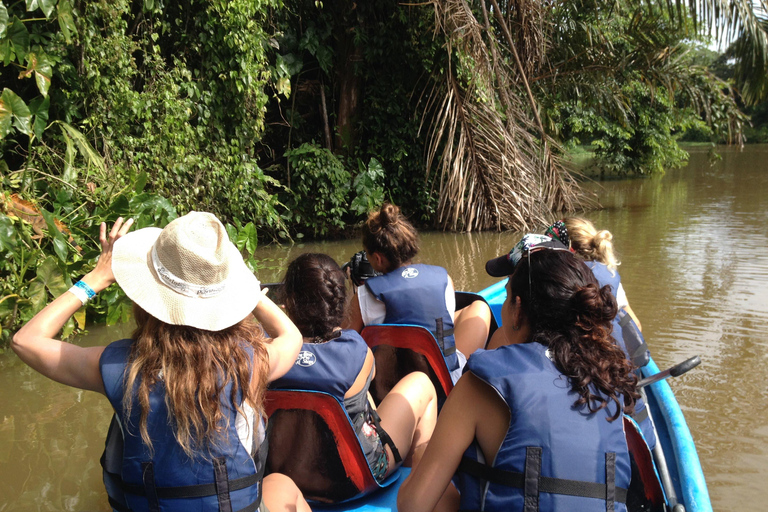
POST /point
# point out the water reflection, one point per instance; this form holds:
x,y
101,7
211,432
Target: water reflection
x,y
695,268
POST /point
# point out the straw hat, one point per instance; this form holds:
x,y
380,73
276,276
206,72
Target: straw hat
x,y
188,273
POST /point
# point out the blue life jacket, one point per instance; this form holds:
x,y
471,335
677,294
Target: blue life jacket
x,y
415,295
631,340
605,276
331,367
554,456
227,479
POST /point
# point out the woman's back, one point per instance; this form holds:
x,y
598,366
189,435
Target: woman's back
x,y
548,437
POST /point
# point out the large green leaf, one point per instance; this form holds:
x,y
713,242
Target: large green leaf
x,y
86,150
14,110
39,64
51,276
47,6
66,20
7,235
247,239
38,107
31,5
152,210
18,35
141,182
37,295
3,19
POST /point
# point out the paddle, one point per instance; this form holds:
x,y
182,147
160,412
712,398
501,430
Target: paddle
x,y
675,371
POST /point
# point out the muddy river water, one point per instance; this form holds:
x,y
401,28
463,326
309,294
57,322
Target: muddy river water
x,y
694,251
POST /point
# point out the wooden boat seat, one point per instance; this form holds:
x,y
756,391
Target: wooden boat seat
x,y
403,349
312,440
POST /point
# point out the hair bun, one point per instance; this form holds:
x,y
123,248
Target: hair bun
x,y
601,237
389,214
594,304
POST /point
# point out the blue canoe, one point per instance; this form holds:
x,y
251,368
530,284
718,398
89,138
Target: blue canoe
x,y
685,487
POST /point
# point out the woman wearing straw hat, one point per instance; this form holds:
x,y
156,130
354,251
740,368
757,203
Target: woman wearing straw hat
x,y
187,435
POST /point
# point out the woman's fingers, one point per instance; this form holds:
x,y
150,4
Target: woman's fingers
x,y
115,228
103,234
123,230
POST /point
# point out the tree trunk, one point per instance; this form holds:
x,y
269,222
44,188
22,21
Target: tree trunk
x,y
349,93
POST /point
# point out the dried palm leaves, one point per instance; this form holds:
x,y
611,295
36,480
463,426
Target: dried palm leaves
x,y
496,165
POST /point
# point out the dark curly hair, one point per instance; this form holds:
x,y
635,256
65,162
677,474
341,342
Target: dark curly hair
x,y
388,231
568,312
315,295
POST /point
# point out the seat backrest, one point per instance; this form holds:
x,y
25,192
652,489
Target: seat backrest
x,y
402,349
645,491
312,440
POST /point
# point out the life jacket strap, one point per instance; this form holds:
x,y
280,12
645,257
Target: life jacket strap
x,y
546,484
610,481
641,415
148,476
385,438
440,334
532,479
221,481
638,355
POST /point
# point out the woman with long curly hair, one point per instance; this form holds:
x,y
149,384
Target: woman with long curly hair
x,y
535,424
415,294
187,387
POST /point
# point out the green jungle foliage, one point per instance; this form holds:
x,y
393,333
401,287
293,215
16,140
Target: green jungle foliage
x,y
286,118
124,108
648,84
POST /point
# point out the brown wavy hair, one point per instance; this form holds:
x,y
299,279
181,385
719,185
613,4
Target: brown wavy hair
x,y
196,365
388,231
568,312
315,295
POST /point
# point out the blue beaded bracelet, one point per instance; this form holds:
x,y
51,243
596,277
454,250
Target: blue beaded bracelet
x,y
87,289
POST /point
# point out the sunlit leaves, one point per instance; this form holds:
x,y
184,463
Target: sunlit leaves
x,y
58,240
3,19
66,20
91,156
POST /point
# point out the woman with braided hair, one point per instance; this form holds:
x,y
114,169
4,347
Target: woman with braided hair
x,y
314,294
536,423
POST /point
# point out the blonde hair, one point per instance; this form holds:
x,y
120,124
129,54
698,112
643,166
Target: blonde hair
x,y
591,244
195,366
388,232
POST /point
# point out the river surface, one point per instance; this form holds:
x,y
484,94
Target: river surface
x,y
694,265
